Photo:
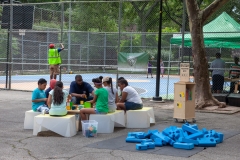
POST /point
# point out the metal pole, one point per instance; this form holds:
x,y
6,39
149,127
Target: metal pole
x,y
104,56
47,45
119,36
80,57
39,57
168,69
69,36
157,98
22,54
183,28
62,23
88,50
10,42
7,69
131,44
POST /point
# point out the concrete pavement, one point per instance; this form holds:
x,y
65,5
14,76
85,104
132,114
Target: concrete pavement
x,y
17,143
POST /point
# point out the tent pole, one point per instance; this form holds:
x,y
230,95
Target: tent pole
x,y
183,28
168,69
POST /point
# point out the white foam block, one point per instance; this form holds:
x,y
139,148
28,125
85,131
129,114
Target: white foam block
x,y
106,122
29,119
140,118
64,125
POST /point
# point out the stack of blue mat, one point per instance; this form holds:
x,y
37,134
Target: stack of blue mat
x,y
183,138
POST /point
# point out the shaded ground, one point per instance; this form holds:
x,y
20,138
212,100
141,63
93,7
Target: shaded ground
x,y
17,143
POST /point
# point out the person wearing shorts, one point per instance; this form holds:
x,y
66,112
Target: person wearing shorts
x,y
100,98
54,60
217,68
130,99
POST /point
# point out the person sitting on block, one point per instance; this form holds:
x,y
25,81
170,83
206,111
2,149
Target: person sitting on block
x,y
112,94
57,100
130,99
39,97
52,85
101,99
80,90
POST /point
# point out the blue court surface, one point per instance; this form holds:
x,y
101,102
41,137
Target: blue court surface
x,y
145,86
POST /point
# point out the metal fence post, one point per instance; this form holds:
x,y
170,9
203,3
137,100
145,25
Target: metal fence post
x,y
88,50
69,36
39,57
22,54
10,43
104,52
119,35
47,47
62,23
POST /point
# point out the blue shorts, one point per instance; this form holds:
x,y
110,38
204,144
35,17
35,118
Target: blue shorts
x,y
97,112
133,106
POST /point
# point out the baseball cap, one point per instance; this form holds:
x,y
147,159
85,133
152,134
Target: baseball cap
x,y
105,79
51,45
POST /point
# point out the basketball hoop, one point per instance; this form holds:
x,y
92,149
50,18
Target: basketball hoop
x,y
22,32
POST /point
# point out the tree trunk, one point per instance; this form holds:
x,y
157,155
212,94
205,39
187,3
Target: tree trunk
x,y
203,94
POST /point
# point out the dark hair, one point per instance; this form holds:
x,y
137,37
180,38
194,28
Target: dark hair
x,y
58,93
78,76
42,81
218,55
123,81
120,78
97,80
110,82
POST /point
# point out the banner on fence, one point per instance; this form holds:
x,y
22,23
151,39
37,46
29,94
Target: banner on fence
x,y
132,61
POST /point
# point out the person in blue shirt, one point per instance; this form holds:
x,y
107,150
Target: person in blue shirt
x,y
38,95
80,90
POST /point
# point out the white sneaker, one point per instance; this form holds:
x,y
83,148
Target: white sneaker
x,y
43,112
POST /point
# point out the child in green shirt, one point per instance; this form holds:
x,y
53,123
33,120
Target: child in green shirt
x,y
101,99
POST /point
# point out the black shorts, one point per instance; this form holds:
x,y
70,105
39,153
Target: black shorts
x,y
218,81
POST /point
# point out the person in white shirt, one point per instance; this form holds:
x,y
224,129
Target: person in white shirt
x,y
130,99
112,94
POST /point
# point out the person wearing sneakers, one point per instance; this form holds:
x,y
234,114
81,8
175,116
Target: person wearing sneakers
x,y
39,98
54,60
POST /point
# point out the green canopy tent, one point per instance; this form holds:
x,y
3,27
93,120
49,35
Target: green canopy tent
x,y
222,32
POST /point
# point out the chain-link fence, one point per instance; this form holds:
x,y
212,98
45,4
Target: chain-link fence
x,y
93,34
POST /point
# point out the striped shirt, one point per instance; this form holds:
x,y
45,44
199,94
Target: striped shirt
x,y
235,70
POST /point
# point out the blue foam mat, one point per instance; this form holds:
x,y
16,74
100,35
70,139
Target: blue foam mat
x,y
119,143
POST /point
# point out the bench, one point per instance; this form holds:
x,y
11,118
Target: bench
x,y
141,118
29,119
63,125
77,116
107,122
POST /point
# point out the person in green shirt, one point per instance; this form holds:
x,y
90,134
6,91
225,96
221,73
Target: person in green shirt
x,y
101,99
